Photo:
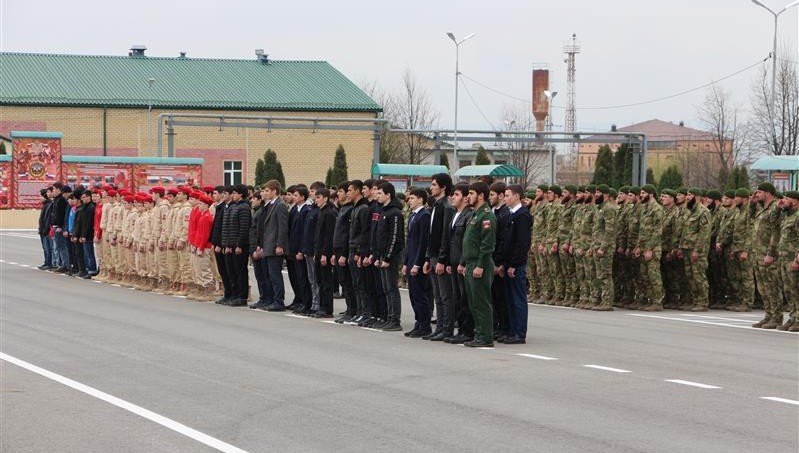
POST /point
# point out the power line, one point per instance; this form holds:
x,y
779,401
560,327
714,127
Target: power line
x,y
634,104
469,93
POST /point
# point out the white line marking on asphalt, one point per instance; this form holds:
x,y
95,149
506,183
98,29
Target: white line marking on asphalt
x,y
780,400
292,315
737,326
2,261
24,236
539,357
130,407
13,263
24,265
693,384
607,368
550,306
721,318
329,322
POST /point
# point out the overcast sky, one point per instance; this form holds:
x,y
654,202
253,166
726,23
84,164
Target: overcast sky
x,y
632,50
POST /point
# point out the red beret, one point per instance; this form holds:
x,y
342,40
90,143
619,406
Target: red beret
x,y
208,189
112,193
159,190
128,198
185,189
106,188
172,191
206,199
196,194
147,199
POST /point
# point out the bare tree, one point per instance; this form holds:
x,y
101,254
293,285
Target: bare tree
x,y
414,110
391,148
777,130
530,158
730,136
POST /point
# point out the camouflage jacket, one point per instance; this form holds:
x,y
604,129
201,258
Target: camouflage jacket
x,y
788,246
539,223
554,212
695,234
566,227
650,226
766,236
586,227
633,226
669,239
742,229
725,220
604,228
622,227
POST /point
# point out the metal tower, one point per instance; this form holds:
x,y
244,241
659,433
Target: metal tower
x,y
571,51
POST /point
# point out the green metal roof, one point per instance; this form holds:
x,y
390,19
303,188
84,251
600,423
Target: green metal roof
x,y
408,170
777,163
187,83
35,134
489,170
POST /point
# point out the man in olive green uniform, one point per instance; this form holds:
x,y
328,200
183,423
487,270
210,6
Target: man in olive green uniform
x,y
583,247
694,245
539,233
765,239
715,270
632,296
723,246
551,245
479,241
565,231
788,251
648,250
681,283
577,228
620,265
742,277
602,248
669,242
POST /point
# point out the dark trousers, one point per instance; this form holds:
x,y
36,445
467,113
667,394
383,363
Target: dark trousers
x,y
344,279
222,268
273,271
389,279
460,306
359,278
304,288
417,290
89,260
62,248
238,274
442,291
264,290
499,301
517,302
325,279
291,263
376,299
76,256
47,249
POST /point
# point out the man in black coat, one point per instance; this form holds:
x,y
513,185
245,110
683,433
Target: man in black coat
x,y
388,255
359,235
272,244
516,243
296,238
437,256
499,298
84,232
415,252
460,306
221,196
341,252
323,248
44,228
58,220
235,243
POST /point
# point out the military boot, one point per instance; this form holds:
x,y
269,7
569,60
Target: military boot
x,y
762,322
794,327
785,327
654,306
740,308
774,322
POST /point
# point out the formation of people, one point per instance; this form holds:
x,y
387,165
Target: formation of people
x,y
473,255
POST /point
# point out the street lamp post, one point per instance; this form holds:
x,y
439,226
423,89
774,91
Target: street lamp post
x,y
551,98
773,104
150,83
457,80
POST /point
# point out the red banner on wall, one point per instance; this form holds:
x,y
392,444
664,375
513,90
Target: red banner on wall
x,y
98,174
5,184
146,176
35,163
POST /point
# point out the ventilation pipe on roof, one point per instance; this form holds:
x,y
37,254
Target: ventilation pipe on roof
x,y
182,54
682,123
613,128
261,56
137,50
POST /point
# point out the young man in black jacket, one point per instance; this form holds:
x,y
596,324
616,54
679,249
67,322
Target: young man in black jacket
x,y
323,247
44,228
264,299
58,220
415,251
84,232
437,256
377,297
516,243
460,306
388,255
235,243
296,232
222,197
308,249
341,252
360,222
499,298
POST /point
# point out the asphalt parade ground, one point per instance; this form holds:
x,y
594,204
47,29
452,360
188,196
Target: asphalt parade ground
x,y
91,367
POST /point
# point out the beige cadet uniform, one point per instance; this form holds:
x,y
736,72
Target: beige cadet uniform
x,y
158,257
180,235
172,254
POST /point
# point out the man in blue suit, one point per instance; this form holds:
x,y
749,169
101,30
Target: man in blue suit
x,y
415,251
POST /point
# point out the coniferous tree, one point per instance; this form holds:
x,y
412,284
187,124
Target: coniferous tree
x,y
272,168
444,159
671,178
3,148
650,177
338,172
482,157
260,172
603,167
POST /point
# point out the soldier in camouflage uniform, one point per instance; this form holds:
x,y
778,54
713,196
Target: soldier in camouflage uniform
x,y
681,283
648,249
551,245
788,250
631,297
566,230
742,276
723,245
694,245
620,264
577,225
765,239
582,247
715,270
669,241
603,246
539,234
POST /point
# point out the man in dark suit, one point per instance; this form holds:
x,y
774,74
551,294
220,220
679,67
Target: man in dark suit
x,y
460,306
291,262
273,241
221,197
499,298
516,242
296,232
415,250
437,256
323,248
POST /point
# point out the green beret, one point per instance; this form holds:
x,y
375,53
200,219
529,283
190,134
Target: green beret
x,y
714,194
729,194
543,187
767,187
624,189
581,188
695,191
682,190
571,188
556,189
792,194
613,193
529,194
743,192
604,188
650,189
635,190
669,192
779,194
590,188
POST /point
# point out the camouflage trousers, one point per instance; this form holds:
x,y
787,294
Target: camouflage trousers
x,y
570,283
555,274
670,272
602,290
718,282
632,275
544,283
651,287
696,275
586,265
767,280
742,281
790,285
620,268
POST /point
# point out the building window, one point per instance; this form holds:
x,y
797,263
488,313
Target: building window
x,y
232,172
464,163
500,162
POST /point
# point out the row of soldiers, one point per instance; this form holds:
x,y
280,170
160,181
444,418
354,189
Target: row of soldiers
x,y
595,247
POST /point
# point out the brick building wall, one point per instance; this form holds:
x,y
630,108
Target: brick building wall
x,y
304,154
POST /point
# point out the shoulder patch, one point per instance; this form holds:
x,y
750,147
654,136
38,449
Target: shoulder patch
x,y
486,224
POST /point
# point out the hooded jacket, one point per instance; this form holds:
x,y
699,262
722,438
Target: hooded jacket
x,y
390,231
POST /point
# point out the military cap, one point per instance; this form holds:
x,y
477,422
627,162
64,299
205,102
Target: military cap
x,y
571,188
767,187
590,188
624,189
714,194
792,194
635,190
172,191
581,189
205,199
650,189
556,189
604,188
779,194
613,193
111,192
743,192
682,190
729,193
669,192
543,187
128,198
159,190
185,189
695,191
529,194
208,189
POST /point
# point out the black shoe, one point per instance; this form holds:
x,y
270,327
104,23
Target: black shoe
x,y
411,332
276,306
514,340
337,296
421,334
479,344
322,315
60,270
43,267
236,303
391,326
439,336
87,277
221,301
457,339
260,305
431,335
342,319
82,274
293,306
